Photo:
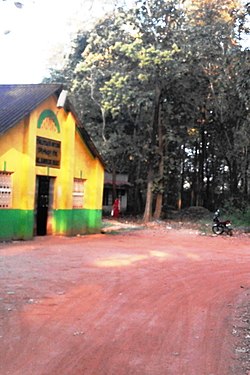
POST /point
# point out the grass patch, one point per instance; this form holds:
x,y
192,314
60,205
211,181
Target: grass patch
x,y
120,230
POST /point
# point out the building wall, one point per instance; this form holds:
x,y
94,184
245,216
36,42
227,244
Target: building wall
x,y
18,155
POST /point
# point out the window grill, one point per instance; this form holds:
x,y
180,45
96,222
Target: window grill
x,y
78,193
5,189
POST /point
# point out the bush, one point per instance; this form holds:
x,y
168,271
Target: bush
x,y
195,213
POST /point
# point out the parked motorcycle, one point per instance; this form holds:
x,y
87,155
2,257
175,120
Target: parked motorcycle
x,y
220,227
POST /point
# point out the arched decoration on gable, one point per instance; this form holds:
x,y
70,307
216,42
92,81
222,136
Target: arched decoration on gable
x,y
48,120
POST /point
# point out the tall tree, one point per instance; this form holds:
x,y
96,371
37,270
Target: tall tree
x,y
125,65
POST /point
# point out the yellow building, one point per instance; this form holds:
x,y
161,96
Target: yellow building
x,y
51,174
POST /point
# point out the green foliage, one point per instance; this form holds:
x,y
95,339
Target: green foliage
x,y
165,86
240,217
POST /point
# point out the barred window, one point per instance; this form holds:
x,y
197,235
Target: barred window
x,y
5,189
78,192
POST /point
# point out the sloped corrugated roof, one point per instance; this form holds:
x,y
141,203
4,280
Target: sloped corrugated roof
x,y
17,101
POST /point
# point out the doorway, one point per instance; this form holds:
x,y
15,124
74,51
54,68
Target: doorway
x,y
43,189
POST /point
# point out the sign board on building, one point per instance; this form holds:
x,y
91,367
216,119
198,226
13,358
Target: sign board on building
x,y
48,152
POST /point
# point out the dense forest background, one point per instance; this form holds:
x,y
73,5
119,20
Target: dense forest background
x,y
163,88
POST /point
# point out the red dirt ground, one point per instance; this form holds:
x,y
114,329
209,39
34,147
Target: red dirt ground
x,y
156,301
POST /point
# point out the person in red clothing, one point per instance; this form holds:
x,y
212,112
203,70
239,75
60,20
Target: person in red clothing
x,y
116,208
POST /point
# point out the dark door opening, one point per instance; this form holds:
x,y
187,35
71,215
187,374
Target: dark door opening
x,y
42,205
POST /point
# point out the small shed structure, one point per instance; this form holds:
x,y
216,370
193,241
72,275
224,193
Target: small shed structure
x,y
122,186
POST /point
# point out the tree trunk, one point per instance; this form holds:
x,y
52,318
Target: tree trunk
x,y
158,206
234,178
159,197
149,197
155,124
137,195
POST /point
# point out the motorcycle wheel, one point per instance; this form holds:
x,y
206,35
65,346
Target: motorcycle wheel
x,y
217,229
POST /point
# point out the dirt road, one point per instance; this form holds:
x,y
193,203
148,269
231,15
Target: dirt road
x,y
146,302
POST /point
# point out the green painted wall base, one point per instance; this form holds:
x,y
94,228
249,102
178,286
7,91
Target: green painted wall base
x,y
79,221
16,224
19,224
